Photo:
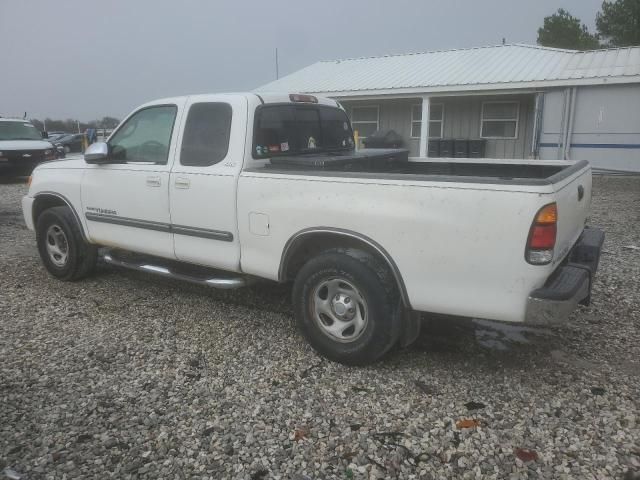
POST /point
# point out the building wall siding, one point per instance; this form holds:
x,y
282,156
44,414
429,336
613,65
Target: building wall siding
x,y
461,120
606,115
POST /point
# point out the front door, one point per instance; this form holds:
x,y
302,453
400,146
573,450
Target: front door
x,y
126,204
203,181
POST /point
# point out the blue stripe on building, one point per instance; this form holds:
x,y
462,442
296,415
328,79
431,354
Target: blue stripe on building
x,y
629,146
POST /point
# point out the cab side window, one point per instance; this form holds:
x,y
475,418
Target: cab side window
x,y
145,137
205,141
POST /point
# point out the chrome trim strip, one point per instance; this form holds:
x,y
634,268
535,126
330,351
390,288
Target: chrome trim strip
x,y
288,248
161,227
202,233
128,222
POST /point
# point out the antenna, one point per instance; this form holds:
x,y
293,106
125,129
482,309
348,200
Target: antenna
x,y
277,72
504,40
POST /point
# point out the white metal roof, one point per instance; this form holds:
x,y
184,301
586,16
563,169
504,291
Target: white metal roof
x,y
485,68
14,119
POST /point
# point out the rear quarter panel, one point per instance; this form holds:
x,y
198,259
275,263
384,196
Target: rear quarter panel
x,y
459,247
573,211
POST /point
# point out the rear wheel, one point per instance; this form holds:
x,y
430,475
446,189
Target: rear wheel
x,y
347,306
63,250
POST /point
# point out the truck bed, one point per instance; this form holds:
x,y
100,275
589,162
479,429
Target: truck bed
x,y
394,164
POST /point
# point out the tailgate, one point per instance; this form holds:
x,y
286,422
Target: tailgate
x,y
573,197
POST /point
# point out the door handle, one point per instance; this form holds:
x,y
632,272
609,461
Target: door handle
x,y
153,181
182,182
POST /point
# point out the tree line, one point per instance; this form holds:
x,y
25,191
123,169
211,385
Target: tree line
x,y
617,25
71,125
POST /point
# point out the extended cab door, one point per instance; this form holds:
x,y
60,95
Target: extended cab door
x,y
126,204
203,181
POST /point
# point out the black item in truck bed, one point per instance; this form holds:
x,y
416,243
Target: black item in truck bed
x,y
383,139
370,159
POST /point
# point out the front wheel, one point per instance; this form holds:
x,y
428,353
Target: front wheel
x,y
347,306
63,250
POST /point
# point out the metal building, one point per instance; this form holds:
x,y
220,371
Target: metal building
x,y
516,101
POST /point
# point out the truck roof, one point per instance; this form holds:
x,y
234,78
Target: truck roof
x,y
274,97
21,120
262,97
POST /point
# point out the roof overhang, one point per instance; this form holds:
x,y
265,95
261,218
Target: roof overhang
x,y
480,89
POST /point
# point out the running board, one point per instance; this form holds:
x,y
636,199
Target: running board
x,y
163,271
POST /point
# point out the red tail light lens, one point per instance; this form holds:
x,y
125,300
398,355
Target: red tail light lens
x,y
542,236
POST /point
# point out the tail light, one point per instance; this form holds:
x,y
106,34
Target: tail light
x,y
542,236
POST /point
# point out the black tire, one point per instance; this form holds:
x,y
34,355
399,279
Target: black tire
x,y
374,284
81,257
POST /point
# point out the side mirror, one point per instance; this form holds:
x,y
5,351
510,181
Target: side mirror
x,y
97,153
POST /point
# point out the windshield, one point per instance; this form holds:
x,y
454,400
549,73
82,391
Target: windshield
x,y
296,129
19,131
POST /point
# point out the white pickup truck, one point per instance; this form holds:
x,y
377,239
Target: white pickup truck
x,y
224,189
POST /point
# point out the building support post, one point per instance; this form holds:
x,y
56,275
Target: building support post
x,y
562,140
538,112
424,127
572,114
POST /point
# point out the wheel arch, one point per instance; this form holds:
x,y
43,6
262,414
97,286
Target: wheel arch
x,y
312,241
45,200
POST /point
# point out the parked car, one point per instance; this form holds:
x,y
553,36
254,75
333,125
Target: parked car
x,y
222,189
22,146
71,143
53,136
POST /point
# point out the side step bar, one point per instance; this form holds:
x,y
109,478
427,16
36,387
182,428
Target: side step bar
x,y
163,271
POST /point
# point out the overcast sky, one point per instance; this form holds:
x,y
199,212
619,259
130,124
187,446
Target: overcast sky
x,y
87,59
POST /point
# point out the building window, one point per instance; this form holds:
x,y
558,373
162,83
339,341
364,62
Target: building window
x,y
365,120
436,120
499,120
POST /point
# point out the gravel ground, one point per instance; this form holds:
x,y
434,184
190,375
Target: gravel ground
x,y
125,375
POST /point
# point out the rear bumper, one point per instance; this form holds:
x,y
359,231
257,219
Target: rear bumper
x,y
569,285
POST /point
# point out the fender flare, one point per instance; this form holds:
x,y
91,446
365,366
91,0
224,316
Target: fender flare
x,y
299,237
67,203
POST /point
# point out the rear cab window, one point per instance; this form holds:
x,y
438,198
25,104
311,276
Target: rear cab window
x,y
205,141
289,129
